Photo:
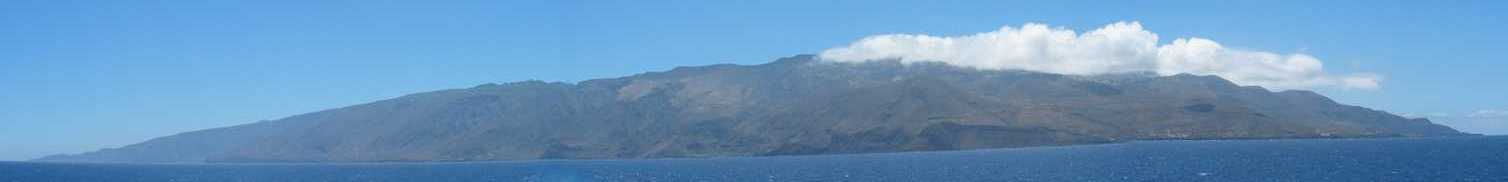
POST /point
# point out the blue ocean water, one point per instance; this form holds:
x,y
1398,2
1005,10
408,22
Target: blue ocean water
x,y
1400,159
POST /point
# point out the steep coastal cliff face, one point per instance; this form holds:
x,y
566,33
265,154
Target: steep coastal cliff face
x,y
793,106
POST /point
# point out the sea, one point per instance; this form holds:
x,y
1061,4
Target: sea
x,y
1483,158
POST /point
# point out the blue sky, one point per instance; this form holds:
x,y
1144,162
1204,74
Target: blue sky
x,y
81,75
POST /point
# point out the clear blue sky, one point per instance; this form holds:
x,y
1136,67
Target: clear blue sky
x,y
81,75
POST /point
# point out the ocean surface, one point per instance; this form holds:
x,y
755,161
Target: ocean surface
x,y
1398,159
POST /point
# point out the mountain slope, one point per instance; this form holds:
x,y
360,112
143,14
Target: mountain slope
x,y
797,105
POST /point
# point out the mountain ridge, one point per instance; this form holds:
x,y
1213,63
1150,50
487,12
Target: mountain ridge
x,y
793,106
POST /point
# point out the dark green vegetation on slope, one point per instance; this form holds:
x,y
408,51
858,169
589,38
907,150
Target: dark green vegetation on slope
x,y
793,106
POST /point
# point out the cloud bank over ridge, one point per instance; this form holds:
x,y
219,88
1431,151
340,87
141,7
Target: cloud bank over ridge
x,y
1122,47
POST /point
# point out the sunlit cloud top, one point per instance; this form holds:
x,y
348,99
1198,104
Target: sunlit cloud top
x,y
1121,47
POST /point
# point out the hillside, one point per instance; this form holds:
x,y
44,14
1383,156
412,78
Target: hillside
x,y
793,106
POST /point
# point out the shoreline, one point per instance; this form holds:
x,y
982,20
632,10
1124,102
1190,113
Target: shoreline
x,y
1119,142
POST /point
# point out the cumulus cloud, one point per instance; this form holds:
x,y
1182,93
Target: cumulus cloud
x,y
1122,47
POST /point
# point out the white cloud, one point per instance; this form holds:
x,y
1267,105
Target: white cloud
x,y
1432,115
1488,113
1368,81
1116,48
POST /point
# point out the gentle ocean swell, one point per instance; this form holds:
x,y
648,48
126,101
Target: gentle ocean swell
x,y
1399,159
